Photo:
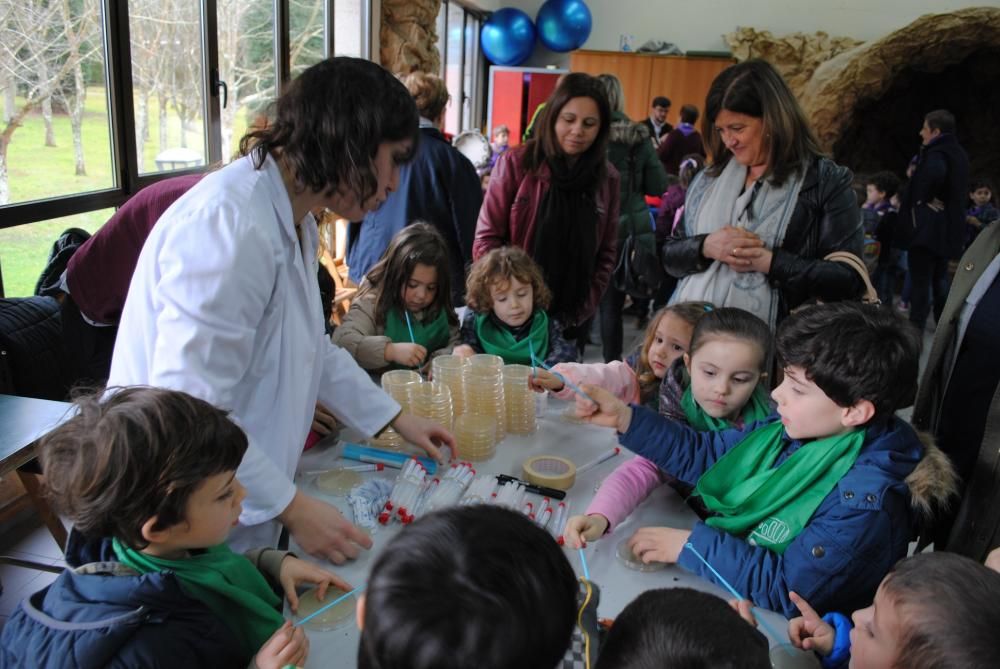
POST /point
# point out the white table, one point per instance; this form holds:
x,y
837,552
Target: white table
x,y
580,443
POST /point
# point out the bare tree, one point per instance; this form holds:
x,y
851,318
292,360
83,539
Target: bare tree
x,y
31,33
81,45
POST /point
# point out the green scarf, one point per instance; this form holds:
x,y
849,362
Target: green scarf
x,y
501,341
227,583
432,334
771,505
756,409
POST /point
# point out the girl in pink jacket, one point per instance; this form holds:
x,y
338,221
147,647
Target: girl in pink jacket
x,y
713,386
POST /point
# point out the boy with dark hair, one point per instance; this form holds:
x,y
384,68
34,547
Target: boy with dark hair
x,y
822,498
148,478
932,610
880,214
470,586
679,628
982,212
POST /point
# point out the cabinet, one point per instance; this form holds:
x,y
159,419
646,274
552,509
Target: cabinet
x,y
683,79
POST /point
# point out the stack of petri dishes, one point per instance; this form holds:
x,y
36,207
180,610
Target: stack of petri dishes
x,y
398,383
448,370
519,398
432,400
484,395
475,436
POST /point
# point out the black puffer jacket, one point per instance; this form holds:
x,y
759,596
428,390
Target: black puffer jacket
x,y
826,219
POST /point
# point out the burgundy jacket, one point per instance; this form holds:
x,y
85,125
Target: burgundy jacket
x,y
510,212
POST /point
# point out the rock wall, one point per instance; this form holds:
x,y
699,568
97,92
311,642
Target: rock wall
x,y
796,55
408,36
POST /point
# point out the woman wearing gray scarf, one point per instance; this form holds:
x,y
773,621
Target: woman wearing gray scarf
x,y
758,223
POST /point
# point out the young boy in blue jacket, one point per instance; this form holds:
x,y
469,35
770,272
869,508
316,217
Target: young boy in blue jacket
x,y
148,478
932,610
822,498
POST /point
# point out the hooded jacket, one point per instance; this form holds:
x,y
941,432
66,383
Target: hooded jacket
x,y
860,529
103,614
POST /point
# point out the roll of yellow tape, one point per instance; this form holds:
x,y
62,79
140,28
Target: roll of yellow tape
x,y
550,470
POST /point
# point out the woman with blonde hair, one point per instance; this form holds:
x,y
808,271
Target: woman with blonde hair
x,y
760,220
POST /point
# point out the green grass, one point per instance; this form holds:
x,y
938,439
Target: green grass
x,y
36,171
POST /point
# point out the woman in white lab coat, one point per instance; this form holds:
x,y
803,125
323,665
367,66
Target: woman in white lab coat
x,y
224,302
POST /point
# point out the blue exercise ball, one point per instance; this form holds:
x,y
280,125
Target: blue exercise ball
x,y
508,37
564,25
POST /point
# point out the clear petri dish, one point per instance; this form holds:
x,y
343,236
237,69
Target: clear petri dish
x,y
787,656
630,560
333,618
337,481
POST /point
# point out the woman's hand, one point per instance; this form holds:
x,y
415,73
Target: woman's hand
x,y
581,529
658,544
288,646
604,409
463,351
542,380
757,259
321,530
808,631
424,433
407,355
295,572
725,245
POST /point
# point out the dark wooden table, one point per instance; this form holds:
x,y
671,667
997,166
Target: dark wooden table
x,y
23,420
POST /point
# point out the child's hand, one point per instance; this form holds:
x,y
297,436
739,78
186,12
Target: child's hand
x,y
288,646
993,559
545,380
581,529
808,631
407,355
658,544
744,607
463,351
295,572
608,411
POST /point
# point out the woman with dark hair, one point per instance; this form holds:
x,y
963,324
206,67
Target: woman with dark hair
x,y
759,222
224,302
556,197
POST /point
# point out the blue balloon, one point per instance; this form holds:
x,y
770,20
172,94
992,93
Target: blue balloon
x,y
508,37
563,25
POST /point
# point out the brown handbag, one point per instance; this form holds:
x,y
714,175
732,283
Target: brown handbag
x,y
871,295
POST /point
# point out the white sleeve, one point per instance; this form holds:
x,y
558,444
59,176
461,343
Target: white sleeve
x,y
349,392
216,280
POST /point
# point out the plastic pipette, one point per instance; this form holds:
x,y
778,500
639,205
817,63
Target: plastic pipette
x,y
596,461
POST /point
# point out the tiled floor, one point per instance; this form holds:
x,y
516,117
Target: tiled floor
x,y
18,582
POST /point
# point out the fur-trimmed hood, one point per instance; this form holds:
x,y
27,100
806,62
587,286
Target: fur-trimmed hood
x,y
624,131
933,483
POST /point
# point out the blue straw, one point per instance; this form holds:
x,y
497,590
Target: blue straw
x,y
531,349
583,563
323,608
409,326
569,384
732,590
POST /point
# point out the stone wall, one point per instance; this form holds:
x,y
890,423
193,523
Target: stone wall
x,y
409,36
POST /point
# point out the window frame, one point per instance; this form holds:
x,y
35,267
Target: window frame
x,y
475,95
114,22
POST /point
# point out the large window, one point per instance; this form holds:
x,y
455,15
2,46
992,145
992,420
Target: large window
x,y
461,65
101,97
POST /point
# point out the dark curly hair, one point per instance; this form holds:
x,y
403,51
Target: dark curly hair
x,y
139,453
497,267
330,121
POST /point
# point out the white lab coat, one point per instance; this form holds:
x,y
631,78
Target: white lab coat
x,y
224,304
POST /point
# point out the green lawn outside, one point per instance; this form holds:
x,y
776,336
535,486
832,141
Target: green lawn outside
x,y
36,171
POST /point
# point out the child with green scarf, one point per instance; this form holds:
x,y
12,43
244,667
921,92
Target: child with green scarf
x,y
402,315
507,297
822,498
147,476
714,385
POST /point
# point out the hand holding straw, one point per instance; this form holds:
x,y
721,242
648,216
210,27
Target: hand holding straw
x,y
566,382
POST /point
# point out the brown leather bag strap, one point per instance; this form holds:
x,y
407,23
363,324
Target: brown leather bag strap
x,y
871,295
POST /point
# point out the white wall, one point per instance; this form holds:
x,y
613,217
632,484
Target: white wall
x,y
698,25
